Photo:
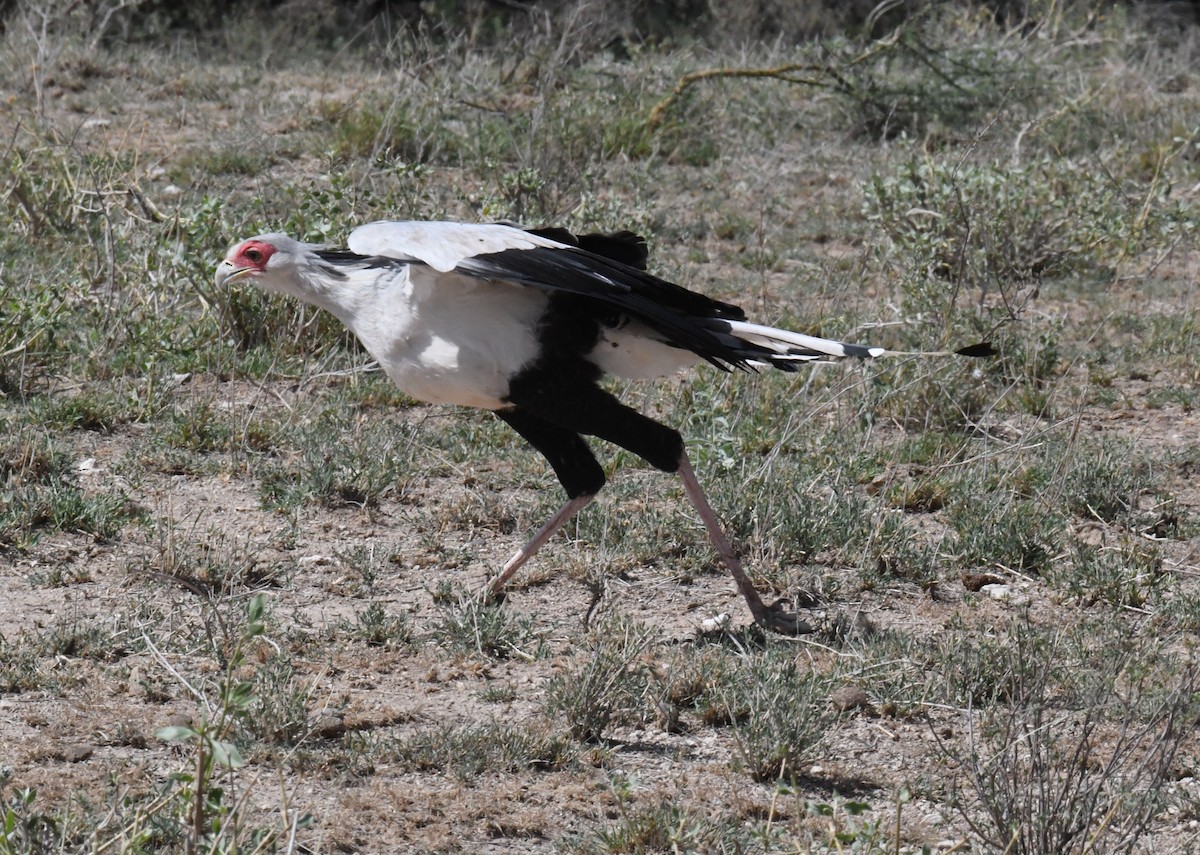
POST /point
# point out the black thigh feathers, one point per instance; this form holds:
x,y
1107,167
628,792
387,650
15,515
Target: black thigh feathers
x,y
556,400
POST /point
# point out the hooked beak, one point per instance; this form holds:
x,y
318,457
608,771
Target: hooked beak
x,y
227,271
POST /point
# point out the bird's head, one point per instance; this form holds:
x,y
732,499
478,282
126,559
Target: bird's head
x,y
269,261
276,262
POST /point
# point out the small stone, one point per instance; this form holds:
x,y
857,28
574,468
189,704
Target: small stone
x,y
975,581
1005,594
849,698
77,753
329,726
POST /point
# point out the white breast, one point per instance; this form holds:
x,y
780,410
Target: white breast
x,y
450,339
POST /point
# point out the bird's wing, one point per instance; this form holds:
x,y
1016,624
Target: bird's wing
x,y
623,246
442,246
593,268
606,276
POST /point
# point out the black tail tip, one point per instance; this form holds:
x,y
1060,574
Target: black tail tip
x,y
983,348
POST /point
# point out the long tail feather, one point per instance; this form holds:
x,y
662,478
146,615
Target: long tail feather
x,y
784,348
799,345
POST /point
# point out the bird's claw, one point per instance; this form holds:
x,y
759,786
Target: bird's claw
x,y
777,618
489,596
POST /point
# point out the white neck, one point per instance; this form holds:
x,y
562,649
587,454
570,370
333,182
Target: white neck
x,y
351,299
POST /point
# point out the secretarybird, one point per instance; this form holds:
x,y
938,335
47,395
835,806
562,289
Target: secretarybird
x,y
524,323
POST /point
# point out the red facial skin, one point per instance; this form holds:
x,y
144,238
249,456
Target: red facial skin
x,y
253,254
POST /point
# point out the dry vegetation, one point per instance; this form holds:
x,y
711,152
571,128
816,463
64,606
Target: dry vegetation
x,y
237,569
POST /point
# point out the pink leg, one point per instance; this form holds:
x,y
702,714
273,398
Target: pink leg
x,y
560,518
772,617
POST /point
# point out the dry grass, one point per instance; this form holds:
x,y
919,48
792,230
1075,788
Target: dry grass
x,y
237,569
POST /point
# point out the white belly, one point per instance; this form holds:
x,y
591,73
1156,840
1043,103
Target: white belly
x,y
454,341
450,339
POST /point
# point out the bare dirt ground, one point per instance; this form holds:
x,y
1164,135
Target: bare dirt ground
x,y
95,731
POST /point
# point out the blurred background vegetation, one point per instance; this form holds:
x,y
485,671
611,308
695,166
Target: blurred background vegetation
x,y
611,22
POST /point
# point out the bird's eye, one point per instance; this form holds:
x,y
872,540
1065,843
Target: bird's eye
x,y
254,255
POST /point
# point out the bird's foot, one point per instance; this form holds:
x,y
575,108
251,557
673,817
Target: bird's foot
x,y
490,595
777,618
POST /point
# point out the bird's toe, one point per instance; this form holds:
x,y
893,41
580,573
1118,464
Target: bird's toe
x,y
490,596
779,619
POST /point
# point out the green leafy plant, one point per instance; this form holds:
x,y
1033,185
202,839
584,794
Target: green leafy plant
x,y
206,789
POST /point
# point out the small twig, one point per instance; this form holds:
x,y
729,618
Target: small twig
x,y
36,224
779,72
152,211
170,669
828,76
198,812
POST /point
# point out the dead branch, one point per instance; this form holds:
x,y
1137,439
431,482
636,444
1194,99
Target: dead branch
x,y
816,74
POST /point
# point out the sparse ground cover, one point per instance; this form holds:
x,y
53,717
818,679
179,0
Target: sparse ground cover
x,y
237,568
